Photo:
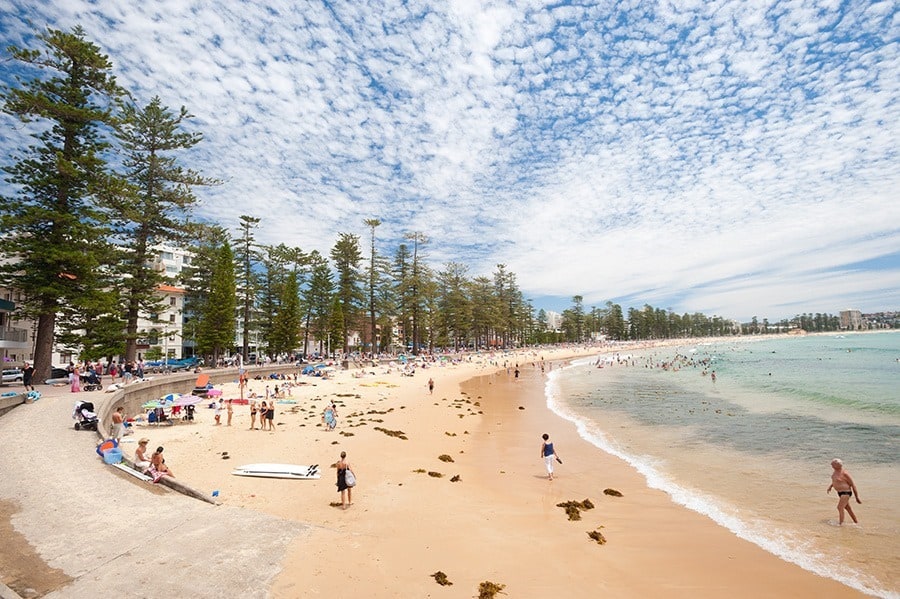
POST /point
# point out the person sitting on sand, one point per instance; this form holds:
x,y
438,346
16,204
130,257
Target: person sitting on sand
x,y
141,459
845,487
158,468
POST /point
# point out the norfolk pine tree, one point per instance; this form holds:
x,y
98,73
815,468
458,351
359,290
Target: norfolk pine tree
x,y
346,255
247,255
154,205
53,228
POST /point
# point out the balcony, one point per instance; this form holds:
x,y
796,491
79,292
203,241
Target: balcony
x,y
14,339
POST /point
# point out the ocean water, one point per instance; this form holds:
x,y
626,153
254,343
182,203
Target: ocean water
x,y
752,449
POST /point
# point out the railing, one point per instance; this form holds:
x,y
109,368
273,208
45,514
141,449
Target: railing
x,y
17,335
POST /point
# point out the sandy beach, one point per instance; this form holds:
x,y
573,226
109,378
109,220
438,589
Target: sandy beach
x,y
491,515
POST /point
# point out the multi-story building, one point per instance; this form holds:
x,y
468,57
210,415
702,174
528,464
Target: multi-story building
x,y
15,336
851,320
165,330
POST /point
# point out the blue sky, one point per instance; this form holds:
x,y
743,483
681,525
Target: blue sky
x,y
735,158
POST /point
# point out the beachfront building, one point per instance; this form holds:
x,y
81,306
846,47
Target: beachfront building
x,y
15,335
851,320
554,320
162,335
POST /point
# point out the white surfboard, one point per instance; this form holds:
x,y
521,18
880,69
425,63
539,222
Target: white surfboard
x,y
132,472
278,471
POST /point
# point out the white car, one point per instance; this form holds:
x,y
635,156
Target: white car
x,y
13,375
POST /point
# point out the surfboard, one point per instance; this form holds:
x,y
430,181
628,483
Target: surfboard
x,y
278,471
132,472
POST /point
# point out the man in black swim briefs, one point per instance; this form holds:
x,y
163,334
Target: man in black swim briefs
x,y
842,482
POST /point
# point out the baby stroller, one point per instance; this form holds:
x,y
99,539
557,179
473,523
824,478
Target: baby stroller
x,y
84,416
90,381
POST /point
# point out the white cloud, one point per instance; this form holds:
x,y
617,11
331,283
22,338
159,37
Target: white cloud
x,y
720,156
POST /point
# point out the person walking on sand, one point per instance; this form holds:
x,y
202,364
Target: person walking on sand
x,y
842,482
430,386
549,454
218,413
346,480
252,414
229,411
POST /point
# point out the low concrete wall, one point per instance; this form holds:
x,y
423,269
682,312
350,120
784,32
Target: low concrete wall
x,y
11,401
135,395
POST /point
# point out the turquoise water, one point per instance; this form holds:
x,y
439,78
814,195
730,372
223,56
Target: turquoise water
x,y
752,449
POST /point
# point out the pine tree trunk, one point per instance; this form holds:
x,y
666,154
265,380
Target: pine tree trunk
x,y
43,346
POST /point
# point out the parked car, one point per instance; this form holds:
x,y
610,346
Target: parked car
x,y
57,375
12,375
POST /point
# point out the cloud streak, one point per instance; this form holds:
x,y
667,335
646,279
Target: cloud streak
x,y
726,157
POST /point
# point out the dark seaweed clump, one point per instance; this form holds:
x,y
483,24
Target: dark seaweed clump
x,y
456,479
445,458
487,589
435,474
597,536
612,492
398,434
441,579
574,508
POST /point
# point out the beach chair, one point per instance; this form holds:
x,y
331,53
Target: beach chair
x,y
201,386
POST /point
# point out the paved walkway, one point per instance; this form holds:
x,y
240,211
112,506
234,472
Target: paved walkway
x,y
109,534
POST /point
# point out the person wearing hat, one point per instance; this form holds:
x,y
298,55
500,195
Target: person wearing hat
x,y
141,459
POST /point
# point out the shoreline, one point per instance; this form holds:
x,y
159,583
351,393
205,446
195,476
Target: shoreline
x,y
499,522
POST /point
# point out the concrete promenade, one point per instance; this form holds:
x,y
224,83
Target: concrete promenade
x,y
73,527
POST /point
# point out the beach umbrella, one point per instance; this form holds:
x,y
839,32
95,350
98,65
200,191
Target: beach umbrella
x,y
214,393
188,400
170,397
153,404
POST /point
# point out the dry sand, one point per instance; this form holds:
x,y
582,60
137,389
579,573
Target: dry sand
x,y
498,522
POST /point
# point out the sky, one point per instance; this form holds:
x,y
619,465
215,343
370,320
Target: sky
x,y
737,158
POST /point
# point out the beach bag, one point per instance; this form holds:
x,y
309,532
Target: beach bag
x,y
349,478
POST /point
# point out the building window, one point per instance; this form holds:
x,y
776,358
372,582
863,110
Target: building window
x,y
171,318
172,301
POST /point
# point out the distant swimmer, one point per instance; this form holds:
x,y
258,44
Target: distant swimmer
x,y
713,376
845,487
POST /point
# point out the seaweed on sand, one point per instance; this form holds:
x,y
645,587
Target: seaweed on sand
x,y
445,458
435,474
612,492
389,433
597,536
456,479
574,508
441,579
487,589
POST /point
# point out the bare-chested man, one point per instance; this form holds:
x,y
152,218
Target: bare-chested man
x,y
845,487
